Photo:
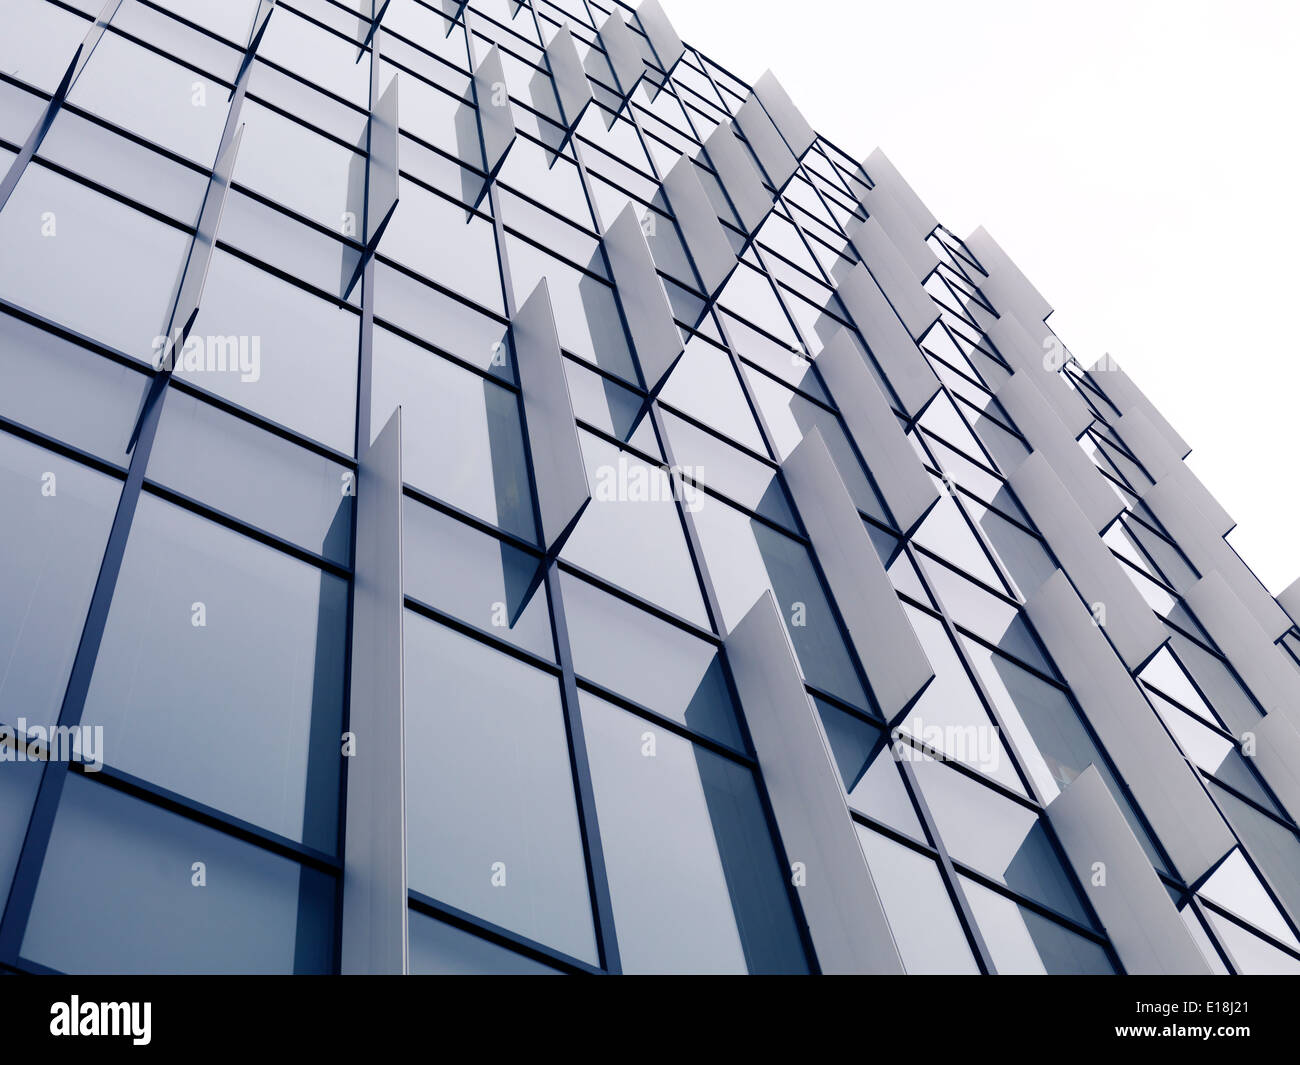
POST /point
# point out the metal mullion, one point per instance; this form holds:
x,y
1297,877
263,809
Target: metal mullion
x,y
961,905
583,784
54,775
712,602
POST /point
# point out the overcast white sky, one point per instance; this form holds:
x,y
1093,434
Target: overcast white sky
x,y
1137,159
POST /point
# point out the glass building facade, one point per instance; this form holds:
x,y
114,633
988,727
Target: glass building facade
x,y
487,491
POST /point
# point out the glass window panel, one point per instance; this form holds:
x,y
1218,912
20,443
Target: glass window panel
x,y
790,417
255,475
926,930
441,949
475,577
148,177
997,621
1235,887
631,533
442,321
461,435
1026,943
1213,752
949,715
229,18
946,534
785,362
312,257
119,871
445,243
607,405
18,784
56,523
745,558
586,314
1000,838
551,180
656,664
704,385
89,262
1024,556
710,461
297,354
489,791
1251,955
58,31
441,116
694,878
539,225
220,675
1047,732
147,94
1272,845
1221,688
67,391
318,55
1163,673
301,169
864,758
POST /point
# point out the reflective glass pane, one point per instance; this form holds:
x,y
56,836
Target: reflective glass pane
x,y
631,533
243,470
475,577
441,949
56,522
694,878
1000,838
926,930
67,391
120,871
492,826
220,675
89,262
1023,942
277,350
649,661
461,435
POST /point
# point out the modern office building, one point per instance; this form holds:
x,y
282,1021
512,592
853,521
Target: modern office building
x,y
482,489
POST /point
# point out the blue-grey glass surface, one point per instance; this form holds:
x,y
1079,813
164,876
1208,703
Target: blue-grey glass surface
x,y
686,848
67,391
220,675
57,517
449,410
89,262
926,930
491,819
119,893
1023,942
650,661
297,361
250,473
441,949
997,836
475,577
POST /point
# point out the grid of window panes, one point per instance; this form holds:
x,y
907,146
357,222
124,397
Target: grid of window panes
x,y
540,837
